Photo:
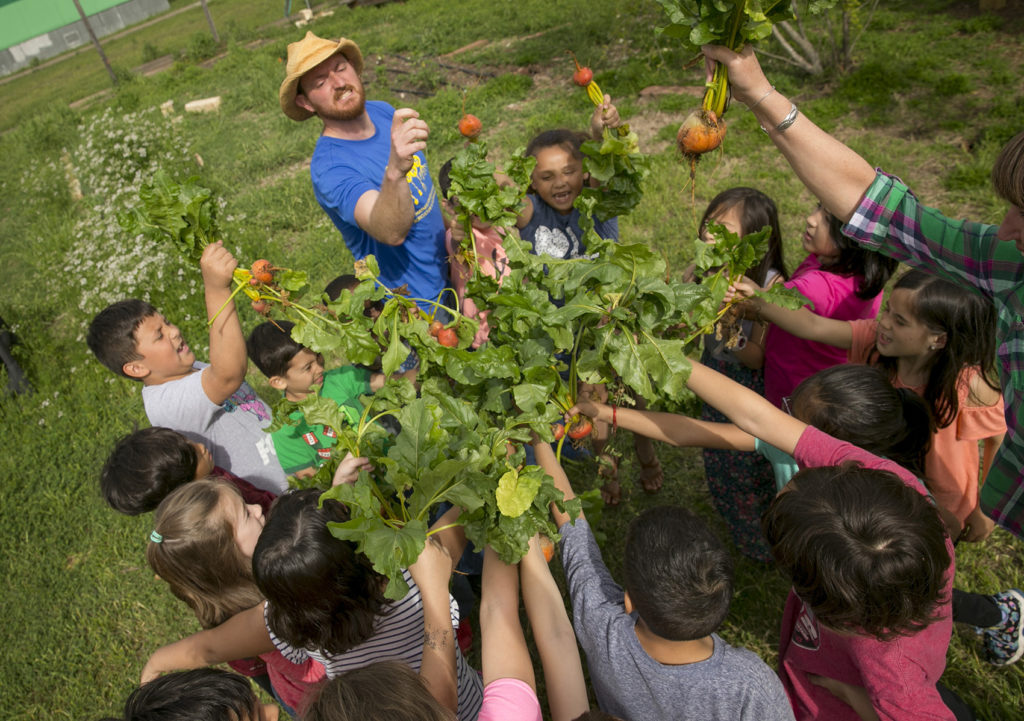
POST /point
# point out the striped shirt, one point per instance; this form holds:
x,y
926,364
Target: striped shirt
x,y
891,220
398,637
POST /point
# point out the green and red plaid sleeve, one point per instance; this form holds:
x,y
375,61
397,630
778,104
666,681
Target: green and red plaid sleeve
x,y
892,221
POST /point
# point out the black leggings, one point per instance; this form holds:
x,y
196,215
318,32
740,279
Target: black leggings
x,y
975,609
954,703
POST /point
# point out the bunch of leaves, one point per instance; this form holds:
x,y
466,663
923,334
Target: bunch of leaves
x,y
620,169
732,24
478,193
184,213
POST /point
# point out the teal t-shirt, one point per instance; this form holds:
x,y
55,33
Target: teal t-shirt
x,y
308,446
783,465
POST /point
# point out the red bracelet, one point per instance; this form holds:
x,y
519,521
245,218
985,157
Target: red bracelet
x,y
615,420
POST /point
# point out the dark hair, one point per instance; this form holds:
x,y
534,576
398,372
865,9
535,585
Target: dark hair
x,y
568,140
858,404
873,268
444,178
596,714
111,334
969,322
144,467
382,691
203,694
1008,172
322,594
198,556
865,551
271,348
342,282
756,211
677,573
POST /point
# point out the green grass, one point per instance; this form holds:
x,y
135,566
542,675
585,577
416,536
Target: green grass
x,y
82,610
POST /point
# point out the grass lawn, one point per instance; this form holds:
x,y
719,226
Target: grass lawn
x,y
82,609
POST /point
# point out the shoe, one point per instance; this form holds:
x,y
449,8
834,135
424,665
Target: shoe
x,y
1003,642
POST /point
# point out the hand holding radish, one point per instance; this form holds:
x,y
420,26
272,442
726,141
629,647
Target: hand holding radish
x,y
742,288
586,407
747,80
408,137
217,265
349,468
605,115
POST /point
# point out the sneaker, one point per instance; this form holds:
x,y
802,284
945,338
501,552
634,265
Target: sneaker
x,y
1003,642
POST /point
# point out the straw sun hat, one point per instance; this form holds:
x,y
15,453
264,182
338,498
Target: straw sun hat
x,y
305,55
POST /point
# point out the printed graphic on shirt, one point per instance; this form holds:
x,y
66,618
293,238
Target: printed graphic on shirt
x,y
555,242
424,196
246,399
805,630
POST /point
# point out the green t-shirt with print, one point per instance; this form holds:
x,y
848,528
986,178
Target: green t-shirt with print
x,y
308,446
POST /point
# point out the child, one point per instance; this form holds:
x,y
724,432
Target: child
x,y
653,653
867,622
741,483
145,466
201,545
388,692
843,281
490,256
208,403
293,369
548,221
209,694
938,340
324,602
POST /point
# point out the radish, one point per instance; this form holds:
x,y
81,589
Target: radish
x,y
470,126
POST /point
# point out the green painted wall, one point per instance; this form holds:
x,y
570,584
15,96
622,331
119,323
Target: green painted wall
x,y
21,20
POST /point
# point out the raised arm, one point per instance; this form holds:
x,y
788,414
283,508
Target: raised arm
x,y
504,653
244,635
800,322
432,573
669,428
547,460
387,214
228,360
554,637
836,174
748,410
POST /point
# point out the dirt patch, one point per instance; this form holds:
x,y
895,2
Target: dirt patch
x,y
284,173
647,125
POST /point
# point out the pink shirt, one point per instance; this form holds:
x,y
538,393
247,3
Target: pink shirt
x,y
788,359
952,466
898,675
492,262
509,699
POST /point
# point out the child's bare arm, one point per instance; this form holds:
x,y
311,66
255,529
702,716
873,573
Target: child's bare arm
x,y
503,647
547,460
744,407
801,322
432,573
244,635
228,361
451,535
669,428
556,641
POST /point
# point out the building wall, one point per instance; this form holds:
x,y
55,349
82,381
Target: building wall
x,y
73,34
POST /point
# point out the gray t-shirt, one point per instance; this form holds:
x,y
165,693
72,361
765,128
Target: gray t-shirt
x,y
731,685
233,431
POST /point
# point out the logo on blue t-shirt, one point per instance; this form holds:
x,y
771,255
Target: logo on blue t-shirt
x,y
423,195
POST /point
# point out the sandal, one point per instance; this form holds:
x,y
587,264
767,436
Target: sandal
x,y
651,476
608,468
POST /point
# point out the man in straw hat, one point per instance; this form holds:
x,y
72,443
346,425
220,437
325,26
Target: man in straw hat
x,y
369,171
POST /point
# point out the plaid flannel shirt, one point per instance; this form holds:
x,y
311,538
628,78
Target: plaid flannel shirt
x,y
891,220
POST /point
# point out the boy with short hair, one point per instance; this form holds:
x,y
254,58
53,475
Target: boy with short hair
x,y
209,403
652,649
145,466
209,694
293,369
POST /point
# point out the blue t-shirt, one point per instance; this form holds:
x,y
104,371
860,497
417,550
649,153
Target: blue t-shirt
x,y
343,170
560,236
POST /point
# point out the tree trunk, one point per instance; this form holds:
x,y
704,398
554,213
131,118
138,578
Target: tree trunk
x,y
96,42
209,19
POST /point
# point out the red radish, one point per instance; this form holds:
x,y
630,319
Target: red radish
x,y
547,547
436,327
261,306
470,126
583,75
448,337
701,132
580,429
262,271
558,429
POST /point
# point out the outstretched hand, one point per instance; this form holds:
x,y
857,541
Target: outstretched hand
x,y
747,80
349,468
741,289
217,265
408,136
433,568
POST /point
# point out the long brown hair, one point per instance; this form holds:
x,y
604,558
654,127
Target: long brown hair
x,y
383,691
197,555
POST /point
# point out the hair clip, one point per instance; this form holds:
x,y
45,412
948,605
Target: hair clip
x,y
155,537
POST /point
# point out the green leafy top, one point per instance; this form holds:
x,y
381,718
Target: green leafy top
x,y
479,194
619,167
183,213
721,22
